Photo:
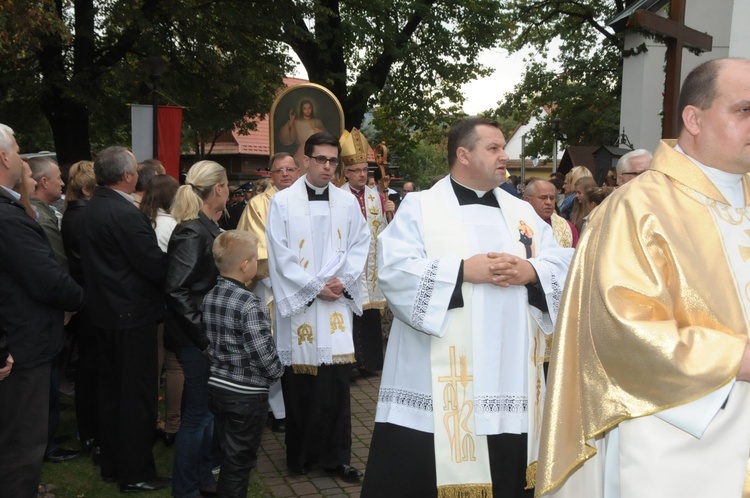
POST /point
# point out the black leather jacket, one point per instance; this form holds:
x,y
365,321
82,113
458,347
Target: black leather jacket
x,y
191,273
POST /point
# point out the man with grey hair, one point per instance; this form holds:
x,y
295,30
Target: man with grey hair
x,y
49,188
146,171
541,195
124,270
35,290
632,164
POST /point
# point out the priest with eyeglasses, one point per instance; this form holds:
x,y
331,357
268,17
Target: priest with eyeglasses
x,y
317,247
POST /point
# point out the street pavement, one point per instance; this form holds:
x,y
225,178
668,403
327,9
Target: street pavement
x,y
271,468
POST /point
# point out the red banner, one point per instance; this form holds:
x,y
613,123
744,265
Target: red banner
x,y
170,138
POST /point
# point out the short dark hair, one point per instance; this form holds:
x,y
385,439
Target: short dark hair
x,y
111,163
378,175
146,171
464,134
279,155
322,138
699,88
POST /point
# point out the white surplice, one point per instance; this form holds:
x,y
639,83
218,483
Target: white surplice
x,y
419,286
309,243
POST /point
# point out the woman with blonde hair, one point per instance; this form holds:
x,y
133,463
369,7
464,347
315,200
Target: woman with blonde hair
x,y
575,174
79,189
579,207
191,273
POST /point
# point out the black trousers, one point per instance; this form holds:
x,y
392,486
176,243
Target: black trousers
x,y
401,464
240,420
128,394
24,405
318,417
368,341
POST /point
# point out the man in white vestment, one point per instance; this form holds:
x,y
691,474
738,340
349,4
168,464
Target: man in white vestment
x,y
368,336
284,172
474,278
317,248
648,393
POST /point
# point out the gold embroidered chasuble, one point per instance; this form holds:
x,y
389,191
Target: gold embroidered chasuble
x,y
253,220
371,205
563,233
653,315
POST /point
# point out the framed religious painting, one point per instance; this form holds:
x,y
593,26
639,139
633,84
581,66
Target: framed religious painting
x,y
300,111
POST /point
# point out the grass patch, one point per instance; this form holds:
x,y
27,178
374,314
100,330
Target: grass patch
x,y
79,478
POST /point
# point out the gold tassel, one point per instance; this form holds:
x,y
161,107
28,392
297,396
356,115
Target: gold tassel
x,y
531,476
305,369
465,491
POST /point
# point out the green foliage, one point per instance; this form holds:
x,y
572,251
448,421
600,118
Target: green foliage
x,y
409,57
78,63
423,163
584,92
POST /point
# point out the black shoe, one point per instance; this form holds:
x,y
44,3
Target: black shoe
x,y
278,425
154,484
300,471
168,438
96,455
346,473
59,455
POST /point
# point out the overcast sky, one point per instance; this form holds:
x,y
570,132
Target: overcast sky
x,y
482,94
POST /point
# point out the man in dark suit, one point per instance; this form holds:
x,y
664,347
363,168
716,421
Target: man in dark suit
x,y
124,272
34,291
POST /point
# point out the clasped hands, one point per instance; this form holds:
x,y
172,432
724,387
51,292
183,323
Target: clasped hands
x,y
499,269
332,291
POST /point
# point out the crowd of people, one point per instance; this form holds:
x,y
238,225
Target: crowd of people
x,y
494,293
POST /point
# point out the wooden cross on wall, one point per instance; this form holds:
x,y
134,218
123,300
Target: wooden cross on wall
x,y
678,37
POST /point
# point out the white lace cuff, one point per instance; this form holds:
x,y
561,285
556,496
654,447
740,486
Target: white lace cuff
x,y
297,302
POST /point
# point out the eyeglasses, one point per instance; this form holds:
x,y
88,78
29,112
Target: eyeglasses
x,y
333,161
634,173
358,171
284,170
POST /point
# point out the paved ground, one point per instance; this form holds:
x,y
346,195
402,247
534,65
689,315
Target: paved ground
x,y
271,468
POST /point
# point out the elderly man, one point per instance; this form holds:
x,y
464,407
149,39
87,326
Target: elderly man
x,y
35,292
368,336
649,387
49,188
473,277
317,248
407,188
631,165
284,172
542,196
124,270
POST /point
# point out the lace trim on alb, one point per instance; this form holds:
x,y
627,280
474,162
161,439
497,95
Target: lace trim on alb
x,y
351,285
409,399
424,294
501,404
557,289
298,301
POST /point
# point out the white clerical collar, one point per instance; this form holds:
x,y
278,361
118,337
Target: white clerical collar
x,y
729,184
317,190
480,193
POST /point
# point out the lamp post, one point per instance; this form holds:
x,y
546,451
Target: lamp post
x,y
155,66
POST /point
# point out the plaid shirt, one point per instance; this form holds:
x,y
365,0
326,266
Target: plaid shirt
x,y
243,353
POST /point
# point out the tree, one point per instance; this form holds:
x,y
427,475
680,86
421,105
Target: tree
x,y
410,56
584,92
77,64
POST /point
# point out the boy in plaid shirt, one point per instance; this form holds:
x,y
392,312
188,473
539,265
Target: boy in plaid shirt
x,y
244,361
